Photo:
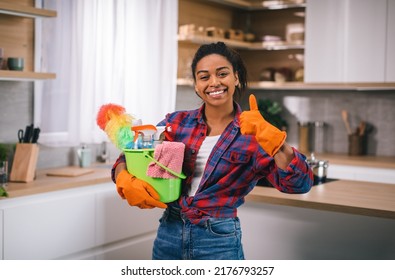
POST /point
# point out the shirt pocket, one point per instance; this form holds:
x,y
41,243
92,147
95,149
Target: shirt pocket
x,y
223,226
236,157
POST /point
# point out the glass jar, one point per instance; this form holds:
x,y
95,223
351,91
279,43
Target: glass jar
x,y
319,139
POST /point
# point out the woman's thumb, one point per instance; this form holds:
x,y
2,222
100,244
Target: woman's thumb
x,y
253,104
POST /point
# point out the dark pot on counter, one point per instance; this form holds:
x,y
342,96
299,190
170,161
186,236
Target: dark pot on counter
x,y
320,168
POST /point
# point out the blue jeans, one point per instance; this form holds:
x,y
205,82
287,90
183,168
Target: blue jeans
x,y
179,239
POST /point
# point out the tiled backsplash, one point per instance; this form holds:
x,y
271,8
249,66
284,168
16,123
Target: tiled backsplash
x,y
374,107
16,108
16,111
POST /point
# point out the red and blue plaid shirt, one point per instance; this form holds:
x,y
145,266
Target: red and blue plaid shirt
x,y
233,168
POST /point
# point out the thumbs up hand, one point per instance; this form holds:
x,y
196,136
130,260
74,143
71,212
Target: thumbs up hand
x,y
269,137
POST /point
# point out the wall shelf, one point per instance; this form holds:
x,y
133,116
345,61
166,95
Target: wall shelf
x,y
272,47
201,39
21,44
307,86
321,86
6,75
25,11
255,6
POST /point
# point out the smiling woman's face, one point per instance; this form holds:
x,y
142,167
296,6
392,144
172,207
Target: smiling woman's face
x,y
215,80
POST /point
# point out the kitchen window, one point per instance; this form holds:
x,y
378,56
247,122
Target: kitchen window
x,y
122,52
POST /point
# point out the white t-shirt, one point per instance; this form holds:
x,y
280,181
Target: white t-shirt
x,y
202,156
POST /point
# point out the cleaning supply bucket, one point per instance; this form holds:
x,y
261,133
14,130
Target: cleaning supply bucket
x,y
137,161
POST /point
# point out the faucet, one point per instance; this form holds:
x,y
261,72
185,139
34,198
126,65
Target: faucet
x,y
104,154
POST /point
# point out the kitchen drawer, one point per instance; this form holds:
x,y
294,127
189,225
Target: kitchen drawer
x,y
138,249
89,222
117,220
367,174
63,223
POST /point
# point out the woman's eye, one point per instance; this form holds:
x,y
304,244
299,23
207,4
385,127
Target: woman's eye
x,y
223,74
203,77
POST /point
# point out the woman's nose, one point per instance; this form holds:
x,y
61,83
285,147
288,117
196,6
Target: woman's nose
x,y
214,81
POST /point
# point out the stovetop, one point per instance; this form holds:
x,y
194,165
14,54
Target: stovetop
x,y
320,182
265,183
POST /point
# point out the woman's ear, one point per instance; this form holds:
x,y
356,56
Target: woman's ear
x,y
237,79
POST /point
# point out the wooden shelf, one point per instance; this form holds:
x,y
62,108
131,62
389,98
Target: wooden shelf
x,y
201,39
248,5
6,75
25,11
308,86
322,86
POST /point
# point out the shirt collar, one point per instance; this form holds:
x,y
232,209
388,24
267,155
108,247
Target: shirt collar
x,y
199,113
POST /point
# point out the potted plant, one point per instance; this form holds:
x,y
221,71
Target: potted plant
x,y
3,169
271,111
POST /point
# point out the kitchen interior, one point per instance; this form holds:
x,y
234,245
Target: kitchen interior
x,y
325,69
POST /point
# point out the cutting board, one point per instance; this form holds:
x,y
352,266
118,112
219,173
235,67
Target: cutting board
x,y
72,171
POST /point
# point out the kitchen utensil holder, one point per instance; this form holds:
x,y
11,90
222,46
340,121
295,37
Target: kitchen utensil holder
x,y
24,163
356,145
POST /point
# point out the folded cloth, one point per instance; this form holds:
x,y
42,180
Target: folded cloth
x,y
171,155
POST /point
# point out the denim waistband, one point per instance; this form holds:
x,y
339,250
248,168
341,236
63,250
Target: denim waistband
x,y
174,212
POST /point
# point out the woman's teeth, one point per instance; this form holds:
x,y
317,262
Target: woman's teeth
x,y
215,93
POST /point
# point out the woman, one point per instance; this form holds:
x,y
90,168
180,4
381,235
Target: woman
x,y
226,152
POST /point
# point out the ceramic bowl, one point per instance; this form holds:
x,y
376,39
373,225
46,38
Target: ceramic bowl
x,y
15,63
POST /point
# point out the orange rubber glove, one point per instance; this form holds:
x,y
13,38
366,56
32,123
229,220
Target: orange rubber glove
x,y
137,192
268,136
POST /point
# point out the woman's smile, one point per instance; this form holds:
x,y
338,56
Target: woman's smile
x,y
216,93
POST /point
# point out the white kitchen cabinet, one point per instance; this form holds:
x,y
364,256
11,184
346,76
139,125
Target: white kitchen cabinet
x,y
131,230
390,62
90,222
49,228
357,173
279,232
1,235
114,213
139,248
346,41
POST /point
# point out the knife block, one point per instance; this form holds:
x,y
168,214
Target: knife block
x,y
24,163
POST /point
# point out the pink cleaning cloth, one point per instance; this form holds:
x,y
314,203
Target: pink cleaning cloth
x,y
171,155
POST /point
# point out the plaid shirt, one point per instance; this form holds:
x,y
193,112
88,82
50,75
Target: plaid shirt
x,y
232,170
